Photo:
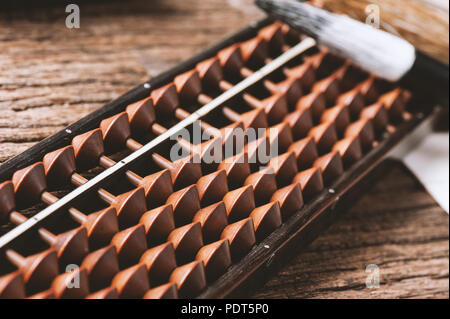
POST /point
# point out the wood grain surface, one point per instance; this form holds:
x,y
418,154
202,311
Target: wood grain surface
x,y
51,76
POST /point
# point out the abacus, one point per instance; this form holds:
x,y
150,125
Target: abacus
x,y
105,196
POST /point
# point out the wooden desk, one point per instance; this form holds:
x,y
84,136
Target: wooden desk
x,y
51,76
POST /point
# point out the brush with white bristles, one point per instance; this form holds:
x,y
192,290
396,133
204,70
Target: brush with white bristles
x,y
375,51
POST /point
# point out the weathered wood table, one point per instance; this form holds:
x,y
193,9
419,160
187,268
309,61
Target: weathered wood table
x,y
51,76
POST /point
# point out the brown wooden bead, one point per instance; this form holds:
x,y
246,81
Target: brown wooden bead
x,y
59,166
101,226
329,87
213,220
290,199
350,149
38,270
106,293
300,122
209,152
378,114
264,184
284,166
241,236
230,59
369,90
305,73
339,115
160,262
273,35
130,206
131,283
116,131
101,266
331,166
141,115
280,136
61,285
276,107
237,168
71,246
190,279
305,151
29,184
311,182
350,75
130,244
186,240
216,258
185,171
185,203
324,62
324,135
315,102
46,294
256,118
291,88
7,200
158,223
266,219
239,203
211,188
88,148
12,286
353,99
167,291
259,152
188,85
395,102
254,51
157,187
363,129
165,99
210,72
233,137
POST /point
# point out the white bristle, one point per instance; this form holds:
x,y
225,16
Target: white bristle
x,y
376,51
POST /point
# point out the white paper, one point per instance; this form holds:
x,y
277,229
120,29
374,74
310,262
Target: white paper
x,y
426,154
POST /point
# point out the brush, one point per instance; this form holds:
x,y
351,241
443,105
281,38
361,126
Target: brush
x,y
375,51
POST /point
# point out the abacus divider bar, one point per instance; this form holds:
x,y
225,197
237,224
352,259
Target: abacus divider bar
x,y
271,86
17,218
106,196
49,199
159,129
134,178
249,99
182,114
